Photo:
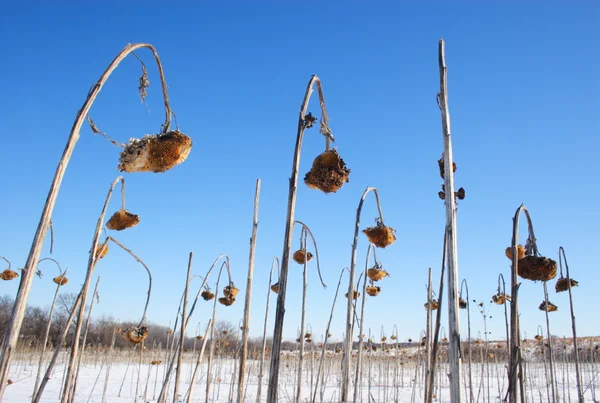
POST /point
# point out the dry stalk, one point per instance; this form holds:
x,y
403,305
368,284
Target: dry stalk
x,y
324,347
350,305
85,333
48,326
18,312
454,356
212,336
198,361
468,301
57,350
67,396
436,332
357,376
140,261
515,371
169,371
246,320
303,123
303,236
264,339
561,254
182,331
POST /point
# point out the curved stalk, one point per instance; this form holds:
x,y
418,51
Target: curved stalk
x,y
561,252
7,261
305,227
264,340
140,261
464,282
48,326
212,335
287,239
18,312
350,307
515,371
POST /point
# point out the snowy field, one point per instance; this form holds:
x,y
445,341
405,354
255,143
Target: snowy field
x,y
384,378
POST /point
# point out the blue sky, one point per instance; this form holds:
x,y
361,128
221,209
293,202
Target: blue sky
x,y
523,97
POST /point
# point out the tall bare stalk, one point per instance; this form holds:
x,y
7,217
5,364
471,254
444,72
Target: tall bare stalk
x,y
264,340
48,326
350,306
304,121
212,335
561,253
246,324
452,255
515,369
468,301
18,312
182,330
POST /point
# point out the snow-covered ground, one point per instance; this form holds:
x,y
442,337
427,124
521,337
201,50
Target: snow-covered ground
x,y
384,379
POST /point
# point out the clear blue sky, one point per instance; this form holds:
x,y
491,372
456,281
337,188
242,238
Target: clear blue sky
x,y
523,96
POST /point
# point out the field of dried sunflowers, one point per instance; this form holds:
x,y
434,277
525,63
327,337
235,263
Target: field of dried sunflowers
x,y
317,367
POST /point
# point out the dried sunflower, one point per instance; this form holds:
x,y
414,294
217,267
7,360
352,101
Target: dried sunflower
x,y
61,280
230,291
520,252
227,301
537,268
562,284
9,274
136,335
551,307
328,172
155,153
500,298
376,273
121,220
356,294
373,290
207,295
301,256
434,305
380,235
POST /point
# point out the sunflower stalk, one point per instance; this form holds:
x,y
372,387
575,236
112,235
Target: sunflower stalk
x,y
18,313
303,123
246,319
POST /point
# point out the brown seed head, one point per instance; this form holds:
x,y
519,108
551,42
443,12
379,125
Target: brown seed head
x,y
301,256
9,274
328,172
61,280
380,235
121,220
155,153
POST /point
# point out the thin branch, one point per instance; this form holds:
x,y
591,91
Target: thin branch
x,y
140,261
